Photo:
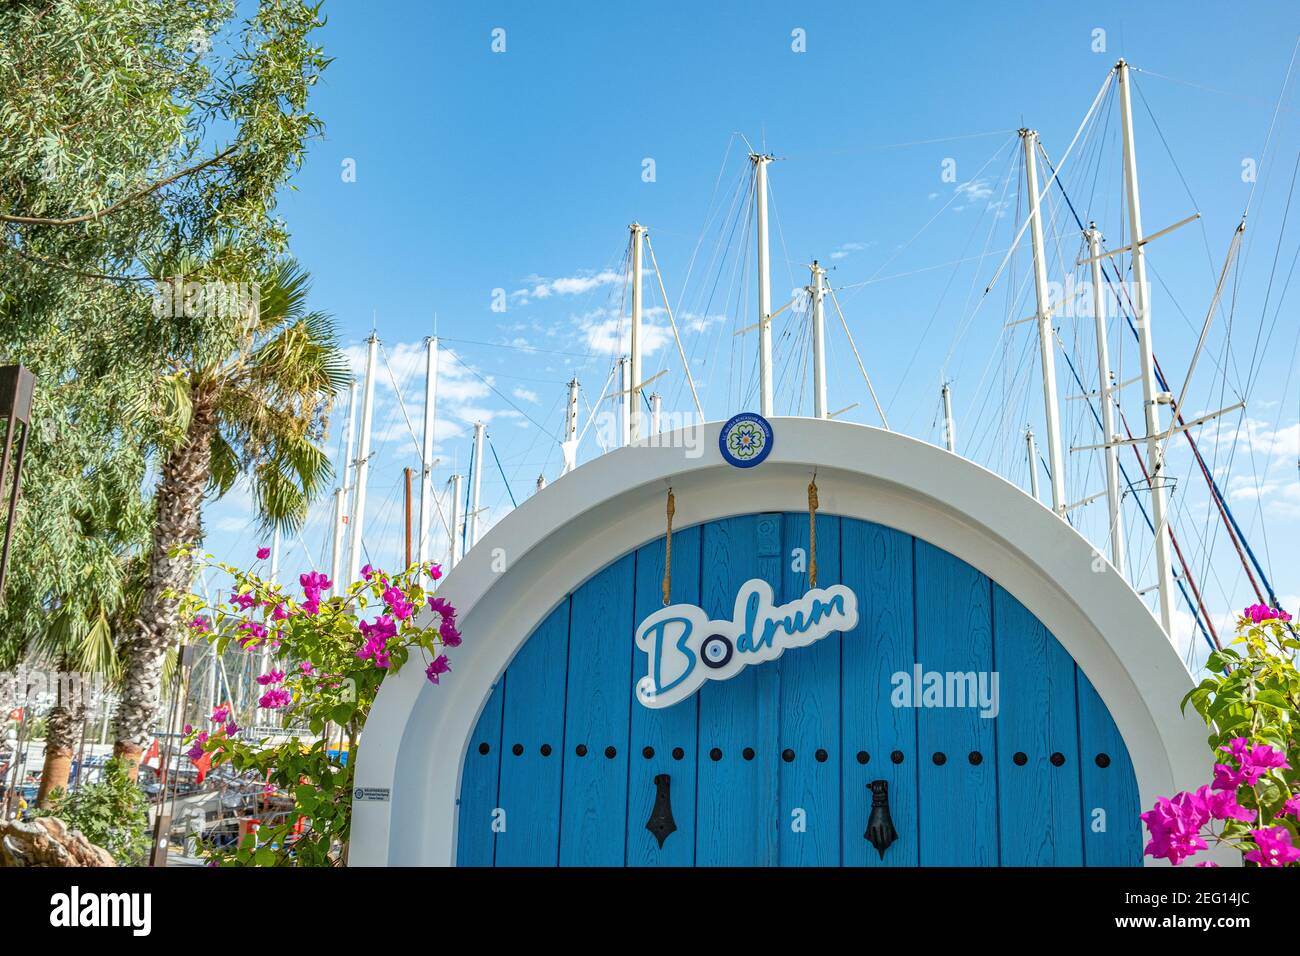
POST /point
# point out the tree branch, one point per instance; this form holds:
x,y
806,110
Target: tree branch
x,y
108,210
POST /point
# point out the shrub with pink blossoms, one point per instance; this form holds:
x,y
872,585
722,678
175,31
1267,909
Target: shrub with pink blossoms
x,y
1253,800
330,649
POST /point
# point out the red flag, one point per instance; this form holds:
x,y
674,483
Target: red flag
x,y
153,753
15,714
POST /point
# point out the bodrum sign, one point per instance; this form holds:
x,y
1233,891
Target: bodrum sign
x,y
685,648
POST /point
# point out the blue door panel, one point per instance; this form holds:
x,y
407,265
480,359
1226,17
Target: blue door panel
x,y
773,766
1111,829
475,836
532,737
594,811
877,565
958,812
663,740
737,777
809,741
1037,731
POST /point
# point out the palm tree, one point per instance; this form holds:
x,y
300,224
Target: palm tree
x,y
250,396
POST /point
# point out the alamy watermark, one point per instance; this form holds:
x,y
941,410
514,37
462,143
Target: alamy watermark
x,y
922,688
176,298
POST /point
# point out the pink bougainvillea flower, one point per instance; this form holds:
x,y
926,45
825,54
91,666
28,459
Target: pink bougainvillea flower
x,y
1292,807
447,631
203,737
1175,827
435,571
254,633
220,713
1253,762
271,677
275,698
1275,847
278,613
367,572
305,667
200,624
243,601
269,788
1206,863
443,607
1223,805
438,666
187,730
195,752
377,634
1259,613
263,553
395,598
231,729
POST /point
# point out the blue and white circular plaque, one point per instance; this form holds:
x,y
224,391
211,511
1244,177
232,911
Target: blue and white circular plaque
x,y
746,440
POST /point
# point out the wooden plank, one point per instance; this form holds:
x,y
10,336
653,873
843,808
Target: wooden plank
x,y
810,710
1038,800
663,740
593,819
958,799
877,565
475,839
737,798
533,721
1112,832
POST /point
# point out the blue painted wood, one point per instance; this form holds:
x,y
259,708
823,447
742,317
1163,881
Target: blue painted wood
x,y
810,709
1112,837
959,820
667,730
475,839
533,717
877,565
1038,802
593,824
736,798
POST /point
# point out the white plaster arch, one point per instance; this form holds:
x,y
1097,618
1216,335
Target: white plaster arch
x,y
417,734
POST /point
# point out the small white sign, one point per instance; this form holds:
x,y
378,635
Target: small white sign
x,y
685,648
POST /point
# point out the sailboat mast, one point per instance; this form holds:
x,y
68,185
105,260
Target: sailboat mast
x,y
341,493
949,432
633,396
764,288
1046,335
1151,397
1104,392
426,447
475,486
818,290
357,519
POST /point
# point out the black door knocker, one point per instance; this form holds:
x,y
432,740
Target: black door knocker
x,y
661,822
880,827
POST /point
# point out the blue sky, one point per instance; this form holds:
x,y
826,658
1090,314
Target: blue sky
x,y
520,170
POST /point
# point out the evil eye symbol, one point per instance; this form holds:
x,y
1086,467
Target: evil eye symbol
x,y
716,651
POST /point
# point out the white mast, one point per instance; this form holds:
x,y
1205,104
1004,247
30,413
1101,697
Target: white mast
x,y
1104,391
1046,336
764,288
475,486
1151,398
1033,462
426,449
570,446
656,413
949,433
341,493
625,388
818,290
541,482
357,519
453,553
634,388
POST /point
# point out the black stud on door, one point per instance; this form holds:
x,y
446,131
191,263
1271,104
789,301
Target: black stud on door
x,y
661,822
880,827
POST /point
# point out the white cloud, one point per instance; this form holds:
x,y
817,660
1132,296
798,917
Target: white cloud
x,y
525,395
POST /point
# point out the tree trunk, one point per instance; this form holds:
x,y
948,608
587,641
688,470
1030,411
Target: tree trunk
x,y
179,501
60,738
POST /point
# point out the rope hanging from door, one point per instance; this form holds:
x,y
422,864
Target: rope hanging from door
x,y
812,531
668,548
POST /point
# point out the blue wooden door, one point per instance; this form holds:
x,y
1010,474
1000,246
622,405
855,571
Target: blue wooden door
x,y
995,747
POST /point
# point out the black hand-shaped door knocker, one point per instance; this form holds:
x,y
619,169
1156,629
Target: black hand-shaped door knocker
x,y
880,827
661,822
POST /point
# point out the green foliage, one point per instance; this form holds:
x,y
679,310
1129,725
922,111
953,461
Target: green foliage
x,y
112,813
332,672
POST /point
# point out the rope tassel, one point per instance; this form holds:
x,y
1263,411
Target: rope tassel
x,y
668,549
812,531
